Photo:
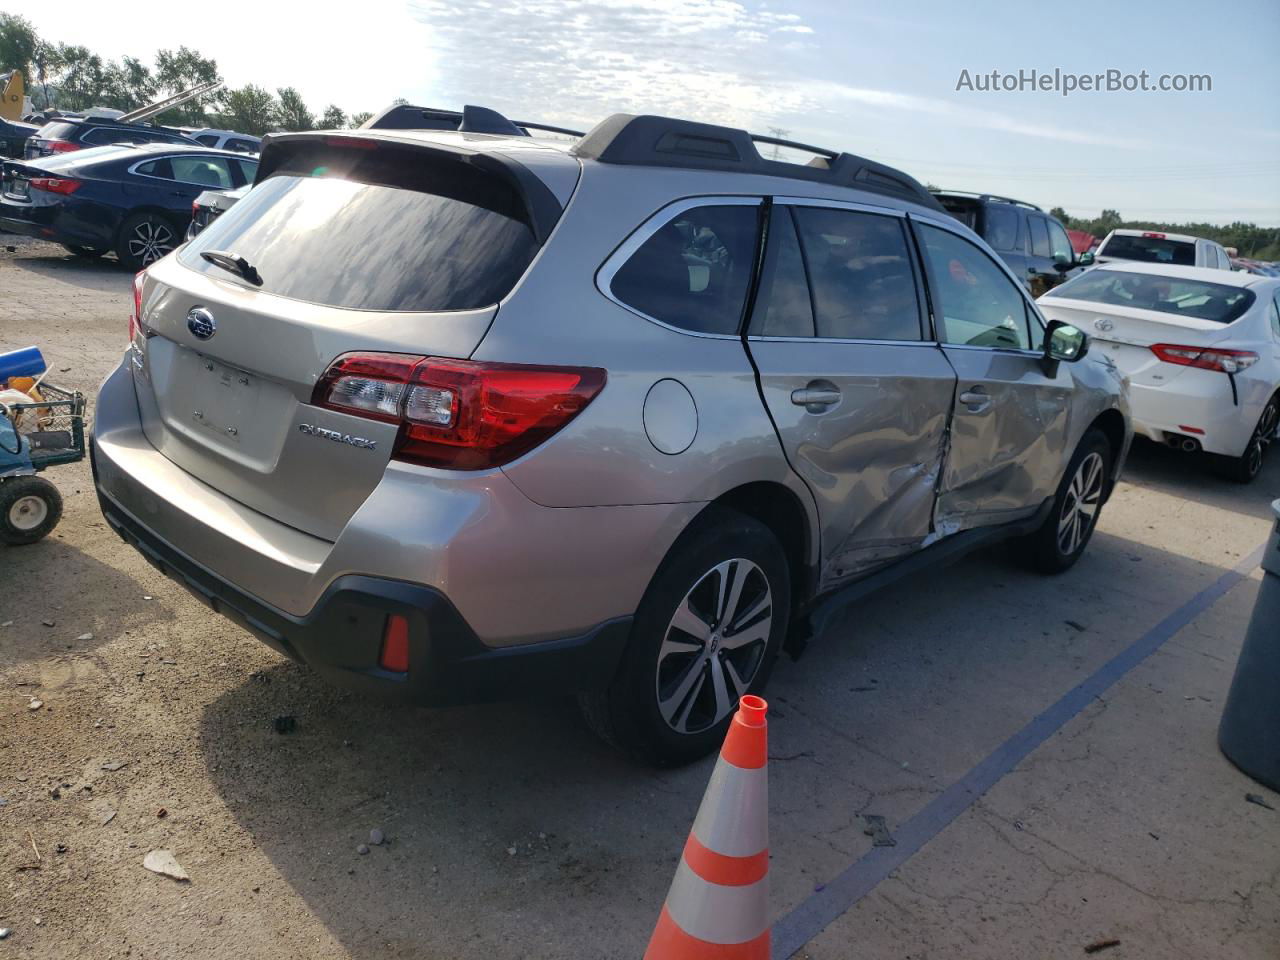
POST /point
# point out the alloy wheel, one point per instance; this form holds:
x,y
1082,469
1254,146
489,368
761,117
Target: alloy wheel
x,y
714,646
150,241
27,513
1080,505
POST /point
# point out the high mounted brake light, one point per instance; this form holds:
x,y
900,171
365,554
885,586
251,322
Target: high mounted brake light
x,y
458,414
1206,358
1155,236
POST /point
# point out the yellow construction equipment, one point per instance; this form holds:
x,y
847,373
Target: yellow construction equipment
x,y
13,95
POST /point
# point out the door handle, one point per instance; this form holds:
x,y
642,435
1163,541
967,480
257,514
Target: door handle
x,y
976,399
815,399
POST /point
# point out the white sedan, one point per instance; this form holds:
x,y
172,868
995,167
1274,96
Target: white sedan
x,y
1200,347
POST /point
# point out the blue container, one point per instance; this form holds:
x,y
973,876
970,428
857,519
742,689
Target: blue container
x,y
27,362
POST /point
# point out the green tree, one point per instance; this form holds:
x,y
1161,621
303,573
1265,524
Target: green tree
x,y
128,84
333,118
1059,214
83,78
182,69
250,109
359,118
292,111
46,63
18,43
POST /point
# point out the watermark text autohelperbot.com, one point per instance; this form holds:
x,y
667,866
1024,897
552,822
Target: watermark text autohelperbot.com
x,y
1066,83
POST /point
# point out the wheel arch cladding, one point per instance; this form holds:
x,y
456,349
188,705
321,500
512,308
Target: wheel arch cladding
x,y
779,509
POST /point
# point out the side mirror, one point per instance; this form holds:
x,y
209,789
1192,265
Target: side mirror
x,y
1085,259
1062,342
1062,262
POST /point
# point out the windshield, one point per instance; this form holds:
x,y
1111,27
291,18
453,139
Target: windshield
x,y
1150,250
1184,298
374,246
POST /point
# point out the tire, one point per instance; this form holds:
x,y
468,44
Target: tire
x,y
680,678
144,238
1058,543
29,508
87,253
1246,467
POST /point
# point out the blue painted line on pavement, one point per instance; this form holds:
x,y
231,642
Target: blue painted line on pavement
x,y
813,915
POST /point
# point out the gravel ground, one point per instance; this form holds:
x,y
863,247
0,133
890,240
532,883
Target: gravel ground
x,y
509,832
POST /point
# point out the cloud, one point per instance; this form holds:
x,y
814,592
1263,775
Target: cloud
x,y
577,61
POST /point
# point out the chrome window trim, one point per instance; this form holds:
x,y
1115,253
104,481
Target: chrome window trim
x,y
841,205
753,338
659,219
178,156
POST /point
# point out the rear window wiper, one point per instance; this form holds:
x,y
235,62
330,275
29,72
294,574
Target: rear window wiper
x,y
233,264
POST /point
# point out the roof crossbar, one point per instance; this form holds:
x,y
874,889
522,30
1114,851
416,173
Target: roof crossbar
x,y
667,142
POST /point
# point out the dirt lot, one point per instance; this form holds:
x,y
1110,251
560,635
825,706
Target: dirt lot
x,y
512,833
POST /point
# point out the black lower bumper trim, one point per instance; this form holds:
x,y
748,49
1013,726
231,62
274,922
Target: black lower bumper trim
x,y
342,635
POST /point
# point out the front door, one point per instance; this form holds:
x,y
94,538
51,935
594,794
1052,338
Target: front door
x,y
1009,428
859,396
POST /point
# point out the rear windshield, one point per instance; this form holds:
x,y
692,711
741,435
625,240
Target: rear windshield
x,y
1184,298
57,130
1150,250
453,242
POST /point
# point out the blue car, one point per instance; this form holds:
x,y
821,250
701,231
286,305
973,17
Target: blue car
x,y
134,201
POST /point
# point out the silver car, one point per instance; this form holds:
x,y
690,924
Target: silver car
x,y
451,416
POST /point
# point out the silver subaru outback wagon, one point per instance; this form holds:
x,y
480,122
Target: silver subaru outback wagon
x,y
453,416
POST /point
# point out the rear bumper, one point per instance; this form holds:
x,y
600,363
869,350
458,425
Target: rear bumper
x,y
1201,399
77,222
341,637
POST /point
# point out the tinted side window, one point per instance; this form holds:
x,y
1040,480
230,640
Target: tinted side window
x,y
156,168
1275,315
1059,242
693,273
1001,228
978,304
243,146
208,139
783,307
1039,236
247,167
860,273
202,171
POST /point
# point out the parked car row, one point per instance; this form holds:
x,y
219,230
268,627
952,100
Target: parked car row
x,y
133,200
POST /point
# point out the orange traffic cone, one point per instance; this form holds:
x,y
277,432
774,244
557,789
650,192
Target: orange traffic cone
x,y
718,904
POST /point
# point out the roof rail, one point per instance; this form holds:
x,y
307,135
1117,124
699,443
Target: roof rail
x,y
989,196
406,116
666,142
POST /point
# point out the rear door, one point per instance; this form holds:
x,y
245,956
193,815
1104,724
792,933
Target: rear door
x,y
406,252
1042,273
858,394
1009,428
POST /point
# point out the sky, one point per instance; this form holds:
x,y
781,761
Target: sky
x,y
878,80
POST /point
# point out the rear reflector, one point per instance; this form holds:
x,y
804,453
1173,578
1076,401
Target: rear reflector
x,y
63,185
458,414
1206,358
395,645
1185,429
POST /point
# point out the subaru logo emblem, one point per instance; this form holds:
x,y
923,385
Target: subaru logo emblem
x,y
1103,324
201,323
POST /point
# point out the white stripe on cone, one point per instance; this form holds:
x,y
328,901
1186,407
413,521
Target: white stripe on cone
x,y
718,914
734,817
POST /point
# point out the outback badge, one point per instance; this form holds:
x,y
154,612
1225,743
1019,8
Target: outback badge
x,y
311,430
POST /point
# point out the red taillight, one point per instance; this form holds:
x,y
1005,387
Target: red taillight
x,y
1206,358
61,146
395,645
1154,236
459,414
63,185
135,318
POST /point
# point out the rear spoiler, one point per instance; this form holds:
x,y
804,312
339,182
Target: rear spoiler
x,y
471,119
541,210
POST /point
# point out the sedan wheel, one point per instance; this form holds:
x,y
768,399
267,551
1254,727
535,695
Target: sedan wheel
x,y
1246,467
150,241
714,646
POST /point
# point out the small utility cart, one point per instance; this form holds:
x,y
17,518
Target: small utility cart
x,y
33,437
